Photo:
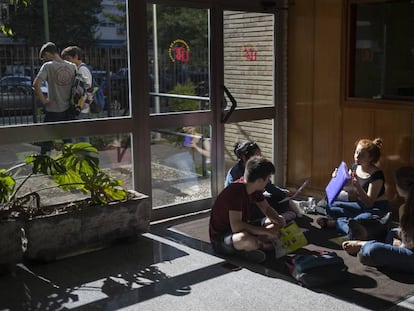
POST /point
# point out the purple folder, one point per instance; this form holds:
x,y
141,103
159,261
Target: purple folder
x,y
187,140
336,183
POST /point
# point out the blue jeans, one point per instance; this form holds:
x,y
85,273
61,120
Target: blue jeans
x,y
386,255
46,146
80,117
343,211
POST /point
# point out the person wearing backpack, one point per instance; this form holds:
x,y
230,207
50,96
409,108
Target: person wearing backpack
x,y
73,54
59,75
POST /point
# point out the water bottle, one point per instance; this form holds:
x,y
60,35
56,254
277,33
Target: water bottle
x,y
311,207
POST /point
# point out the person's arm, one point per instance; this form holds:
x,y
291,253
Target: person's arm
x,y
87,76
205,152
238,225
229,178
37,83
369,197
270,213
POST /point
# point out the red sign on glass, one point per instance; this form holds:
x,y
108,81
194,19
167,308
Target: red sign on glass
x,y
179,51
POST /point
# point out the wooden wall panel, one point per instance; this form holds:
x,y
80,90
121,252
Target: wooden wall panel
x,y
300,91
357,124
394,127
322,129
326,112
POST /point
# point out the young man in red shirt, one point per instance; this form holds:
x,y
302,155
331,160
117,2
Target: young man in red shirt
x,y
232,229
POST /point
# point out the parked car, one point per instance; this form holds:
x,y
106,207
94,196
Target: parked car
x,y
16,94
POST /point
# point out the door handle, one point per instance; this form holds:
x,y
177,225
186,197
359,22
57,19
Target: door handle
x,y
226,115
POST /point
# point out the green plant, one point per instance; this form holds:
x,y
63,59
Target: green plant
x,y
181,104
76,167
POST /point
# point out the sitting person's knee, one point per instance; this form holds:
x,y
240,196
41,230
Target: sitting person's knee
x,y
246,242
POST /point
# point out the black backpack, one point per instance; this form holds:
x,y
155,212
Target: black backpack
x,y
317,268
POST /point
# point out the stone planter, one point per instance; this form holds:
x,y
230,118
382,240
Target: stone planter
x,y
11,251
69,233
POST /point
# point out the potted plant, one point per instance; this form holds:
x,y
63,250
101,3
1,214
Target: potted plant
x,y
107,212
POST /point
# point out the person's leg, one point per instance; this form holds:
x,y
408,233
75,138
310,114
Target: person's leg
x,y
352,247
241,244
46,146
392,234
344,209
342,225
83,116
379,254
380,208
224,244
369,226
340,212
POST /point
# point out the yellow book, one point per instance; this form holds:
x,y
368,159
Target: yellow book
x,y
291,238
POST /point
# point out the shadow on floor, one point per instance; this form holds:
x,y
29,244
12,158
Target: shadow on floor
x,y
367,287
175,260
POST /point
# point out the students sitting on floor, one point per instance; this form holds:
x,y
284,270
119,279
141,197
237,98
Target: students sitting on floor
x,y
243,151
365,190
398,251
232,230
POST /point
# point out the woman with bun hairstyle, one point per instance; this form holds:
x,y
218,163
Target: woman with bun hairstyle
x,y
365,190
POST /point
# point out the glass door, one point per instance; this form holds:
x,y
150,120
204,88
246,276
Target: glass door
x,y
211,85
249,75
180,108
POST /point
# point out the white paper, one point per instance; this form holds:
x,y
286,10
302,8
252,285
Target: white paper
x,y
296,193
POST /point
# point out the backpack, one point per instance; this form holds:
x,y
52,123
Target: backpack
x,y
317,268
78,94
97,99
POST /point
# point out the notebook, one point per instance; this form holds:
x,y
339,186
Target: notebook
x,y
187,140
296,193
336,183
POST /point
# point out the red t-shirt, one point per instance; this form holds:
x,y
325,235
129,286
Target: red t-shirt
x,y
233,198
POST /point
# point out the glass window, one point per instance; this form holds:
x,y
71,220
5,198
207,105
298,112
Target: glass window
x,y
178,58
180,164
382,50
114,154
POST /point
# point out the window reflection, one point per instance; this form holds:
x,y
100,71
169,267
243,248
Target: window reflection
x,y
382,56
114,155
180,162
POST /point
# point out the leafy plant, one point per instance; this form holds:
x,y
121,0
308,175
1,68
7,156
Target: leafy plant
x,y
181,104
76,167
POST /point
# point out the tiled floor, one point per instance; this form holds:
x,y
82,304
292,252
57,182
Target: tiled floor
x,y
158,271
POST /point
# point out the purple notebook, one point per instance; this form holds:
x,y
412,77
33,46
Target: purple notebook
x,y
187,140
336,183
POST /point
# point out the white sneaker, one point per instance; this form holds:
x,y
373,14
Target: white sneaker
x,y
295,207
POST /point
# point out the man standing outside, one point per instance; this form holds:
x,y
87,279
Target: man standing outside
x,y
232,230
73,54
59,75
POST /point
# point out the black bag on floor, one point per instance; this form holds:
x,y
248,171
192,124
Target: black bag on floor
x,y
374,228
317,268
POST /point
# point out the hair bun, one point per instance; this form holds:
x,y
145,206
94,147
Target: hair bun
x,y
378,141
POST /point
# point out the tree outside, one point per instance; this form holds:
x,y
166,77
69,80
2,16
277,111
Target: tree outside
x,y
70,22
